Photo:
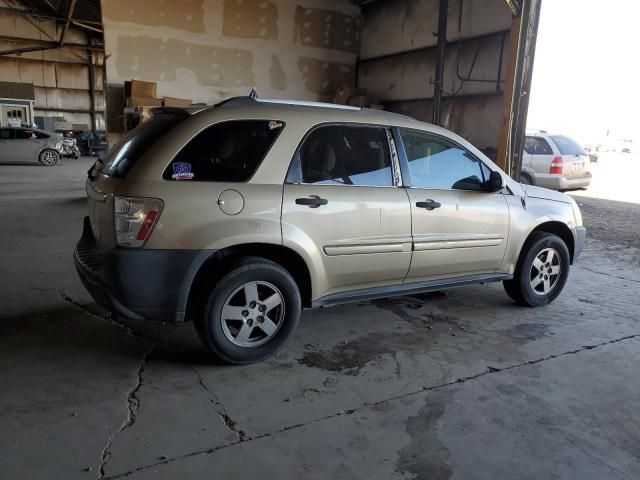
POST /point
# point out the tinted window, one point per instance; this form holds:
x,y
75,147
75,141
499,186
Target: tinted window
x,y
41,134
225,152
6,134
437,163
344,155
537,146
568,146
24,134
123,156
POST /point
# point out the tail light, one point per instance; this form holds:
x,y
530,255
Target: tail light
x,y
556,165
134,219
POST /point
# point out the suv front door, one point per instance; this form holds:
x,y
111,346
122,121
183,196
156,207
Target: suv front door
x,y
458,228
342,206
6,139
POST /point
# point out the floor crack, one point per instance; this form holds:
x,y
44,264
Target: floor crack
x,y
221,410
133,407
489,370
108,317
607,274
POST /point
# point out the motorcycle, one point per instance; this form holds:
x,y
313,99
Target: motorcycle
x,y
69,148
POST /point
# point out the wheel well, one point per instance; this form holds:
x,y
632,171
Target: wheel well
x,y
559,229
217,264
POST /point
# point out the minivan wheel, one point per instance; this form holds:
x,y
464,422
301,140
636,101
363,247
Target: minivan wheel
x,y
541,272
48,158
251,311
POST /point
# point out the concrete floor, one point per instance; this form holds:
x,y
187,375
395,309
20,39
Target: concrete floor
x,y
459,385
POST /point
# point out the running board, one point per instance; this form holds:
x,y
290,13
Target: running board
x,y
406,289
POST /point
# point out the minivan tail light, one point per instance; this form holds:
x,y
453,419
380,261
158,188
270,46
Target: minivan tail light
x,y
556,165
135,219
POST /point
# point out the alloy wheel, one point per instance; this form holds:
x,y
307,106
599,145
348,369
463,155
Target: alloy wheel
x,y
252,314
545,271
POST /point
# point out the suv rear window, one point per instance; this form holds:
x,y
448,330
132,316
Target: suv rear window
x,y
123,156
568,146
225,152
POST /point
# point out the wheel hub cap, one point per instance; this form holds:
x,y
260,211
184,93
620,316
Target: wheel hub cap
x,y
545,271
252,314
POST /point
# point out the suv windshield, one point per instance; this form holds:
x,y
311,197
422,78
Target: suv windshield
x,y
568,146
123,156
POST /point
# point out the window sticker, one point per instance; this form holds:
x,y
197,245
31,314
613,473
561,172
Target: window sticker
x,y
182,171
273,124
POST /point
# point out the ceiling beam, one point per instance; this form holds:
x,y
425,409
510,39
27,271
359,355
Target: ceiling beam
x,y
51,44
57,18
72,7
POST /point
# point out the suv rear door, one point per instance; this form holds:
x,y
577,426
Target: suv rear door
x,y
458,228
575,160
341,203
541,154
26,146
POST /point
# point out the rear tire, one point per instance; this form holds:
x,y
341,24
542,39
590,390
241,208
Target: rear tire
x,y
251,312
541,272
49,157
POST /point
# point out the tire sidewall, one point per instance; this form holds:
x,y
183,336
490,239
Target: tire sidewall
x,y
524,269
57,156
211,330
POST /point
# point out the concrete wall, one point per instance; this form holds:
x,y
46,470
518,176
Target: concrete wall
x,y
208,50
403,82
60,78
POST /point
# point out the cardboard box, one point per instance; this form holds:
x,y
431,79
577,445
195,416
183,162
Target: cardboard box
x,y
345,91
139,88
359,101
133,102
177,102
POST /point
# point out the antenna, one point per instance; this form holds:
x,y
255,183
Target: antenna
x,y
253,94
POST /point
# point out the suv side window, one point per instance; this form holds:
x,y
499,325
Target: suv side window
x,y
6,134
22,134
225,152
537,146
437,163
344,155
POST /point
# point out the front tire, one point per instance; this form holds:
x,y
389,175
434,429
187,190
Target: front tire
x,y
48,158
541,272
251,312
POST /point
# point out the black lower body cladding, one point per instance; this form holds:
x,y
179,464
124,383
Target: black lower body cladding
x,y
138,283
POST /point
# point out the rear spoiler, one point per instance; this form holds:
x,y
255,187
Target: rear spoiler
x,y
190,110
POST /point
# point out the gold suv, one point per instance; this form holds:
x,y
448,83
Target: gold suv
x,y
239,215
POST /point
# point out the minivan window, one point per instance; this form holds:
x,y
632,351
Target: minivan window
x,y
225,152
537,146
440,164
568,146
345,155
123,156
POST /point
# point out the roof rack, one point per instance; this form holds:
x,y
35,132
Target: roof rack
x,y
251,100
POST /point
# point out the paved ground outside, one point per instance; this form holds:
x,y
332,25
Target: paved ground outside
x,y
462,384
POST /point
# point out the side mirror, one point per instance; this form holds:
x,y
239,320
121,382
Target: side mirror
x,y
494,183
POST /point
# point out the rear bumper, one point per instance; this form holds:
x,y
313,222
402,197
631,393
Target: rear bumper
x,y
559,182
579,237
138,283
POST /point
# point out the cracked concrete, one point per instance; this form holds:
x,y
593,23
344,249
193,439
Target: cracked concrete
x,y
456,385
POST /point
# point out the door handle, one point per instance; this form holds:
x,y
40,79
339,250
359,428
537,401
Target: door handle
x,y
312,201
428,204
